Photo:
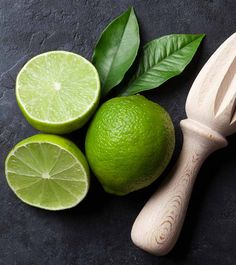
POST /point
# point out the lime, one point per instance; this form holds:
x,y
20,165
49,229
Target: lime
x,y
129,143
58,91
48,172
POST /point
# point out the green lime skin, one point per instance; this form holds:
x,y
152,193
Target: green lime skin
x,y
129,143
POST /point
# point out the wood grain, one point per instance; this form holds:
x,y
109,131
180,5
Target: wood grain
x,y
211,111
158,225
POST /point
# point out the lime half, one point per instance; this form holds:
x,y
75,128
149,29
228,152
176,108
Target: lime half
x,y
48,172
58,91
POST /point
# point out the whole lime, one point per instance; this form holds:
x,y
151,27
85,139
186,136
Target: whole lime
x,y
129,143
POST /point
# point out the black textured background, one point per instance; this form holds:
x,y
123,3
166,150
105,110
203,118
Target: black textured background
x,y
98,230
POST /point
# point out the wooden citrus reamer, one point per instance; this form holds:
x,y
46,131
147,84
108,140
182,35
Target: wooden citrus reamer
x,y
210,109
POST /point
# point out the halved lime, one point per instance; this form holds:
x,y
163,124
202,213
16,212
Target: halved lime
x,y
48,172
58,91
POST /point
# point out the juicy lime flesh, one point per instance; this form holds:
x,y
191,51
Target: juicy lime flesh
x,y
129,143
47,171
57,88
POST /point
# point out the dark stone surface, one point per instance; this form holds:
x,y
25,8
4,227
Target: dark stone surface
x,y
98,230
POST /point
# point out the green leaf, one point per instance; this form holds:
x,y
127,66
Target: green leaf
x,y
162,59
116,50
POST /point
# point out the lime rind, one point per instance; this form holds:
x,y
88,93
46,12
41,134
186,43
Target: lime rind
x,y
52,111
56,192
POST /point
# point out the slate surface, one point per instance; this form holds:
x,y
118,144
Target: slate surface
x,y
98,230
